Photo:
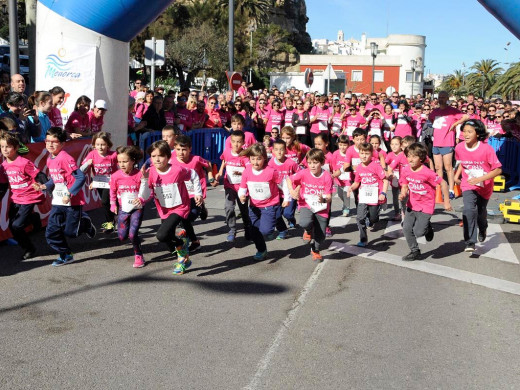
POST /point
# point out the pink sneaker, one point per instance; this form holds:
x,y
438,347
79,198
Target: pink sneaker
x,y
139,261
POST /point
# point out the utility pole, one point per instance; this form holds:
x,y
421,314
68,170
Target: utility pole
x,y
30,20
13,37
231,28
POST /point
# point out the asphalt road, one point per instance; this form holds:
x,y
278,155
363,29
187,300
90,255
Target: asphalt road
x,y
362,319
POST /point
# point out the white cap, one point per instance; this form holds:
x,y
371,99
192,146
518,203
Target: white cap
x,y
101,104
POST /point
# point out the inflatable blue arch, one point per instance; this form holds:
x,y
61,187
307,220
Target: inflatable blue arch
x,y
507,12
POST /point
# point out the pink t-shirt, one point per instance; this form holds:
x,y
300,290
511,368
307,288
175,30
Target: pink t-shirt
x,y
376,126
322,119
371,107
288,116
285,169
293,154
402,127
493,127
262,186
337,124
477,162
169,191
338,161
442,119
77,121
185,118
102,165
274,119
352,156
249,139
311,188
235,166
96,124
55,117
20,175
421,188
169,117
60,170
121,183
329,163
354,121
199,165
370,175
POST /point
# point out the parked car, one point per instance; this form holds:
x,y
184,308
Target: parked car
x,y
24,64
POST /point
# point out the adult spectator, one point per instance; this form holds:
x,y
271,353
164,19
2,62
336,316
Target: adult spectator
x,y
213,120
18,84
58,96
137,88
374,104
445,120
183,117
169,111
78,124
394,100
229,96
153,119
199,116
18,111
4,90
141,108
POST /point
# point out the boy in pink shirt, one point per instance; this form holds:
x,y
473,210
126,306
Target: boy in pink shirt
x,y
312,187
237,123
418,182
20,174
67,218
168,188
372,183
234,164
260,183
478,166
343,179
285,167
184,158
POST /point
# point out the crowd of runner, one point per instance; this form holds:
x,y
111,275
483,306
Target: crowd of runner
x,y
286,151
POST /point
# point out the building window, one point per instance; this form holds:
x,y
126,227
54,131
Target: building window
x,y
418,77
379,76
408,77
357,75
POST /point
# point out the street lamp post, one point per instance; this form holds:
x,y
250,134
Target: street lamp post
x,y
13,37
373,52
413,64
231,33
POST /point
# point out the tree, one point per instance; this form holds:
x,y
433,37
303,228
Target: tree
x,y
455,84
255,10
508,83
485,75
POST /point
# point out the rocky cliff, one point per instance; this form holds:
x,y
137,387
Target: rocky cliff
x,y
291,15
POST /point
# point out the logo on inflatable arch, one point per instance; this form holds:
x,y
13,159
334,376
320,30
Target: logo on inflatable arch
x,y
60,69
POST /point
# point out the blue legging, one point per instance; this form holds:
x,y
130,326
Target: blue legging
x,y
128,225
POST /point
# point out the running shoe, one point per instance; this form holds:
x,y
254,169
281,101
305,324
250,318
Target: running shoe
x,y
107,227
62,261
316,256
328,232
413,255
183,252
194,246
139,261
180,268
282,235
482,234
452,195
429,233
345,212
203,212
361,244
230,237
470,248
260,255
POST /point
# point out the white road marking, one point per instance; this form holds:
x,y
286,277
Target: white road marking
x,y
435,269
339,221
291,315
496,245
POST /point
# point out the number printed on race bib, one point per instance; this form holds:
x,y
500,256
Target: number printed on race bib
x,y
168,195
369,194
190,187
259,190
301,130
60,189
101,181
127,201
314,203
234,174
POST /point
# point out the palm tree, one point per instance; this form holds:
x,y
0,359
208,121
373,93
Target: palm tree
x,y
201,11
454,84
254,10
485,75
508,83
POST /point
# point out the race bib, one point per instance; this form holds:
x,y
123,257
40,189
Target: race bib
x,y
259,190
168,195
473,173
234,174
369,194
127,201
323,125
326,167
344,176
350,130
301,130
190,187
336,128
101,181
60,189
314,203
356,162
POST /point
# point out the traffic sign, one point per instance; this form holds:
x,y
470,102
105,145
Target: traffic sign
x,y
149,52
309,77
235,80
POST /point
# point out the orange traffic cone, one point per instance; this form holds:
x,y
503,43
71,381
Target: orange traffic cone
x,y
438,195
457,190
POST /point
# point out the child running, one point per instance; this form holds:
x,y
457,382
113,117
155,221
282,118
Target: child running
x,y
312,187
343,179
295,150
124,190
285,167
104,163
260,183
395,154
373,184
478,166
67,218
418,182
168,188
19,174
234,164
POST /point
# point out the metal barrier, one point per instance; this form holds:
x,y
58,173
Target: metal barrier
x,y
208,143
146,139
508,152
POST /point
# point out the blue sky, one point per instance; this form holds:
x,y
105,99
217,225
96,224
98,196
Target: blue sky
x,y
457,31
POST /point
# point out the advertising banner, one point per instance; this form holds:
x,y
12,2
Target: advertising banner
x,y
69,65
78,149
